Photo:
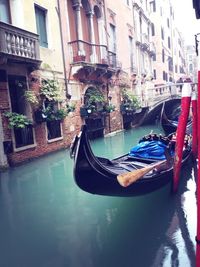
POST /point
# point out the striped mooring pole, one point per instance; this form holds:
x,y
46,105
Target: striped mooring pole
x,y
198,171
194,123
180,132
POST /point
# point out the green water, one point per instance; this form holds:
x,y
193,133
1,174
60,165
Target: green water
x,y
47,221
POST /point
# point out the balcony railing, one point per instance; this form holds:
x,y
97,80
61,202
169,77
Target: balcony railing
x,y
18,45
81,51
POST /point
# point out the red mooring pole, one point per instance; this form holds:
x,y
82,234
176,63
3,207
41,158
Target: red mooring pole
x,y
194,123
198,175
180,133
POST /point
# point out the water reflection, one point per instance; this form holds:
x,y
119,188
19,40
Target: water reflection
x,y
47,221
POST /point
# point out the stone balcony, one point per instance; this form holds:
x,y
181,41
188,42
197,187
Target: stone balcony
x,y
85,52
92,62
18,45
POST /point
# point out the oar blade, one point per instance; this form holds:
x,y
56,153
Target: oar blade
x,y
126,179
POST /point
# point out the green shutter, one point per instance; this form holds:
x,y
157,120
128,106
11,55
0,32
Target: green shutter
x,y
41,25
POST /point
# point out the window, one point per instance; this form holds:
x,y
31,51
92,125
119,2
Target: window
x,y
17,86
162,33
153,6
163,55
128,2
191,69
152,29
154,74
167,22
53,125
131,51
164,75
112,46
40,15
170,63
112,43
4,11
169,43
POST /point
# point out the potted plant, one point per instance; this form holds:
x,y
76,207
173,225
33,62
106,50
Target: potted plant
x,y
32,98
53,114
83,112
79,58
17,120
109,108
40,115
129,104
70,108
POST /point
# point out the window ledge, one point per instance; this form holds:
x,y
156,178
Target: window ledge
x,y
19,149
55,139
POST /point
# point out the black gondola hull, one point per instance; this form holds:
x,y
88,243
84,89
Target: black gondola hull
x,y
170,126
95,177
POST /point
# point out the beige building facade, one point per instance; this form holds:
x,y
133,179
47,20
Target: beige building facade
x,y
30,60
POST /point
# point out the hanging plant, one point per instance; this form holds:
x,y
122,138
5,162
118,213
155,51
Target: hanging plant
x,y
50,90
32,98
16,120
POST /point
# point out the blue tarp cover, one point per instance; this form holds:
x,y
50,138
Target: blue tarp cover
x,y
149,149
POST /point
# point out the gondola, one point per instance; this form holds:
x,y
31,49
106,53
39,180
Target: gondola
x,y
97,175
170,125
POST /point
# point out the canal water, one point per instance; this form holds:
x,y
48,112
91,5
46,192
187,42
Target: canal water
x,y
47,221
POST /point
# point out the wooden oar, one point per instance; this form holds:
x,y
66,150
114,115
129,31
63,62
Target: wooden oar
x,y
125,179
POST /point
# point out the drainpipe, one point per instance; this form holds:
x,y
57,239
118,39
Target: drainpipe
x,y
62,46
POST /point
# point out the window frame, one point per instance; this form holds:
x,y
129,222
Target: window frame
x,y
7,2
42,12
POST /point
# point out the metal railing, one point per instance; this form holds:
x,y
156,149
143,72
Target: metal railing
x,y
82,51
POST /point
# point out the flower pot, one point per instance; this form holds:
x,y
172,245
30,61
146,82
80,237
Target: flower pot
x,y
78,58
39,116
83,112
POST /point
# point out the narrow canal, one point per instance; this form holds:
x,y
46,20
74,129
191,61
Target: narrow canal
x,y
47,221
